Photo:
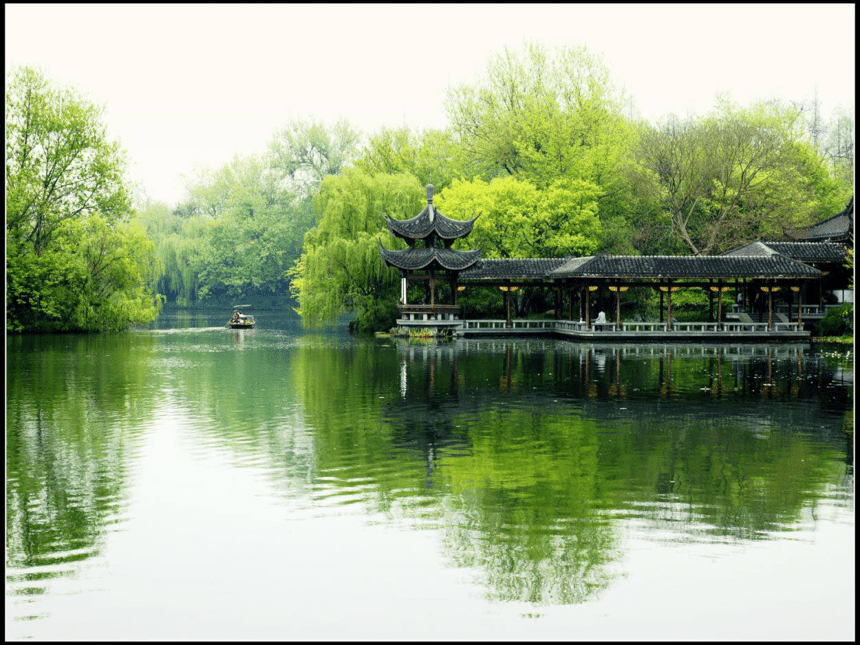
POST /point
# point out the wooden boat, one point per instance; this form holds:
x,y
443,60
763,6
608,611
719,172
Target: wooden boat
x,y
241,321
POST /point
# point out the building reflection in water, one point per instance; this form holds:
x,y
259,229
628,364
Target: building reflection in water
x,y
534,486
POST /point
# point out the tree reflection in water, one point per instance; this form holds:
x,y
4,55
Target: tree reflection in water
x,y
531,457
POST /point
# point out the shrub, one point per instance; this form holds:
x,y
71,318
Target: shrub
x,y
838,321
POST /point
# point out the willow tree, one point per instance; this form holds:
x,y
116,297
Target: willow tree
x,y
340,270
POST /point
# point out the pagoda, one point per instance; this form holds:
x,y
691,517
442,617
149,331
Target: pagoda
x,y
429,259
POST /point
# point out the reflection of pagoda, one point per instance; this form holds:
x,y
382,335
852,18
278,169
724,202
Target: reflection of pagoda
x,y
430,263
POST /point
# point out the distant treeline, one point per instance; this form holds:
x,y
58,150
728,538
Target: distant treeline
x,y
543,146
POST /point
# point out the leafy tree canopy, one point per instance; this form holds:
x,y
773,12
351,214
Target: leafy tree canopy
x,y
542,115
433,156
517,220
73,262
340,270
734,175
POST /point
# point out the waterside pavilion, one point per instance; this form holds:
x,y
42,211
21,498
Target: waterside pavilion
x,y
752,276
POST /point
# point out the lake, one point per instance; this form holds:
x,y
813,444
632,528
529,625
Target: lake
x,y
191,482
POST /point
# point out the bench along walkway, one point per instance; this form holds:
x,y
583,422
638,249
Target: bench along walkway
x,y
633,331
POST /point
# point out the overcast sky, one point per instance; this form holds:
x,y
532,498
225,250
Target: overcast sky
x,y
188,86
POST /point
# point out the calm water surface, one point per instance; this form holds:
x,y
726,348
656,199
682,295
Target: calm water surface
x,y
188,481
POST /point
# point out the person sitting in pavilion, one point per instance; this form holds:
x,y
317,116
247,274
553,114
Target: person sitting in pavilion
x,y
601,319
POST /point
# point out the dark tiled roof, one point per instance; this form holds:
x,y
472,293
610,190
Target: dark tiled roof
x,y
423,225
800,251
512,269
810,251
679,267
430,258
837,227
753,249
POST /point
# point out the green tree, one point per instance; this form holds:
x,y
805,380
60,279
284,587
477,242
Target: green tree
x,y
433,156
238,232
178,239
94,276
839,148
73,262
340,270
733,176
540,116
518,220
60,163
306,152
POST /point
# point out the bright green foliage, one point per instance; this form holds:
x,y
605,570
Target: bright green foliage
x,y
542,116
92,277
177,240
254,234
517,220
837,321
734,176
73,262
59,162
432,155
340,270
237,234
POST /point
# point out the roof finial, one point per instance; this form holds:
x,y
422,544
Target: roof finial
x,y
429,193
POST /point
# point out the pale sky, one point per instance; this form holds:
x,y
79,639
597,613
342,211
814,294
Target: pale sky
x,y
188,86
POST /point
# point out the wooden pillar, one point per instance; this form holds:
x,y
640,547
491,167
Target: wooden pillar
x,y
570,304
821,295
770,308
556,312
661,303
582,292
710,304
587,308
799,310
432,289
508,306
669,308
617,308
720,307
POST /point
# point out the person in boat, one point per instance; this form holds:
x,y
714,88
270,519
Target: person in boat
x,y
235,317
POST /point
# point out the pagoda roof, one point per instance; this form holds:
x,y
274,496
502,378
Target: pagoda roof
x,y
429,258
715,267
430,222
839,227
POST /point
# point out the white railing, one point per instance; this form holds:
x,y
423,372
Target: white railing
x,y
626,327
548,325
644,326
804,309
